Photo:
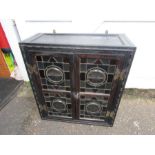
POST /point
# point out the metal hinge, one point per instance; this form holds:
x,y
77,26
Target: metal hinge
x,y
32,68
119,75
110,114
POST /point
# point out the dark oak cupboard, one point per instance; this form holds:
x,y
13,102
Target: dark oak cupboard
x,y
78,77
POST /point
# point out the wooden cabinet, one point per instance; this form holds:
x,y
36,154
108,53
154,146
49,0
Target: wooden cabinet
x,y
78,77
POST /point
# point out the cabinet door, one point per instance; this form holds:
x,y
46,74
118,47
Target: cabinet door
x,y
50,74
99,77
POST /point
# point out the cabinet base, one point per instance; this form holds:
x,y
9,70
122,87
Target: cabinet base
x,y
79,121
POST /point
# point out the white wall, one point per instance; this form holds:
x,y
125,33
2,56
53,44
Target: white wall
x,y
142,73
88,17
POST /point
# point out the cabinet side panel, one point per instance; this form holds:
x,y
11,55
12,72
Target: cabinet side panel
x,y
34,81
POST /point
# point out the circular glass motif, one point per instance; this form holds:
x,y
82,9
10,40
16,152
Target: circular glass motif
x,y
93,108
96,76
59,105
54,74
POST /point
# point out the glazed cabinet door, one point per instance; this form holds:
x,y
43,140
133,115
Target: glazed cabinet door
x,y
99,78
50,74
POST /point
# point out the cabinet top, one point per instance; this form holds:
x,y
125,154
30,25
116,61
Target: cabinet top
x,y
101,40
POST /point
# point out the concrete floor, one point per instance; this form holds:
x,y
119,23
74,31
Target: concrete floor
x,y
136,115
